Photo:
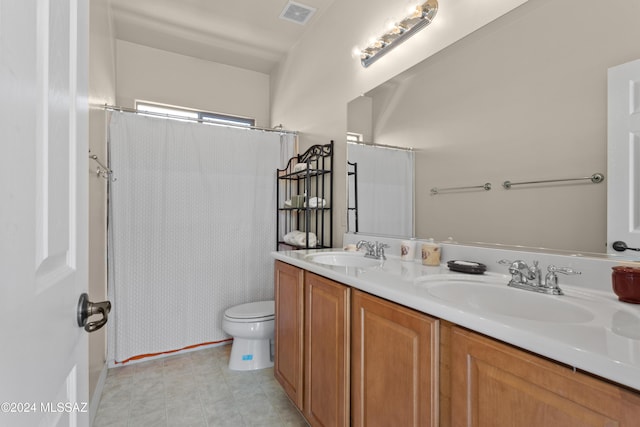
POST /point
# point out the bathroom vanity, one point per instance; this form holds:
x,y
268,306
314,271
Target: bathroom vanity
x,y
391,343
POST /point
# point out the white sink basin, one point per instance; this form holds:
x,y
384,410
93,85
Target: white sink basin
x,y
485,298
487,278
343,259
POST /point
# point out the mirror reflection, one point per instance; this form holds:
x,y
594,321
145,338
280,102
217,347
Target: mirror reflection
x,y
507,103
380,178
380,190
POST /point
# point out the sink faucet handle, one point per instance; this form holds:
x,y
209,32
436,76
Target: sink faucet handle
x,y
535,273
551,279
378,249
563,270
521,272
520,267
366,244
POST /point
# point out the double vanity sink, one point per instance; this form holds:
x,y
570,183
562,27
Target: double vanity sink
x,y
484,294
587,329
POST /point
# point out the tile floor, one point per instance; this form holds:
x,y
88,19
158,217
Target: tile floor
x,y
193,389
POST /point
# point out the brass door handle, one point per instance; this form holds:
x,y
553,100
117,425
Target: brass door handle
x,y
87,309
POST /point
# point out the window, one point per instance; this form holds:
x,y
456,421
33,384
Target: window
x,y
177,113
354,137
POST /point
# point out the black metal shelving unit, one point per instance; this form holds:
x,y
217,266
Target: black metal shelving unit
x,y
352,208
307,176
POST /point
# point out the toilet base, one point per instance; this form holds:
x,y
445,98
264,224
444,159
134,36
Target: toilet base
x,y
249,355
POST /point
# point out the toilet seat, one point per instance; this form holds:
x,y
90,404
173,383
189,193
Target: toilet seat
x,y
251,312
252,327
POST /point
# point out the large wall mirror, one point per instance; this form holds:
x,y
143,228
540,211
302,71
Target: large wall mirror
x,y
380,178
522,99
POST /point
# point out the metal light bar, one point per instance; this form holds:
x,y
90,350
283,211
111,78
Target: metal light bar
x,y
404,29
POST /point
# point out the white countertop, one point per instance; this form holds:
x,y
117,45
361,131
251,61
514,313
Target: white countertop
x,y
607,344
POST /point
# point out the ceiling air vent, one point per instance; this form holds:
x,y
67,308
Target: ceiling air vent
x,y
296,12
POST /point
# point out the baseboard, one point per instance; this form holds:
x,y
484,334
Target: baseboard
x,y
97,394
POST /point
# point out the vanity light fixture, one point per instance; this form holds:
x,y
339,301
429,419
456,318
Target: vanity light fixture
x,y
401,31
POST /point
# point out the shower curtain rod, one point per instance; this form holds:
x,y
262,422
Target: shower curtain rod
x,y
391,147
170,116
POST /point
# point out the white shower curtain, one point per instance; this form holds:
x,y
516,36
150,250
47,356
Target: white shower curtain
x,y
192,222
385,190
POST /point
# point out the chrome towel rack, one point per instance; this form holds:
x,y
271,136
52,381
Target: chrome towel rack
x,y
102,170
486,186
596,178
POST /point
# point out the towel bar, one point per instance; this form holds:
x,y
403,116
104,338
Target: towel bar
x,y
596,178
486,187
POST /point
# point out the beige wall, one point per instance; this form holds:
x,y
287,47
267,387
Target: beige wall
x,y
149,74
516,103
101,91
312,86
526,93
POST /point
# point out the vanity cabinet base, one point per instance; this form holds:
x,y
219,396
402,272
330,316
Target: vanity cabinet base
x,y
394,364
288,363
326,352
312,341
497,385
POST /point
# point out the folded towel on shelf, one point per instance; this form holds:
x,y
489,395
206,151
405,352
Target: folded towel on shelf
x,y
299,238
316,202
294,202
299,167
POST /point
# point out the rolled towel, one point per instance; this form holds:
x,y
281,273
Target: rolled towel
x,y
316,202
299,238
289,237
299,167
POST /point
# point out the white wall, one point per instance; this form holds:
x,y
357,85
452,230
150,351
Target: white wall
x,y
529,89
149,74
360,115
101,91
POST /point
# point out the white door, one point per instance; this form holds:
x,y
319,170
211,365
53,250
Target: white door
x,y
43,211
623,190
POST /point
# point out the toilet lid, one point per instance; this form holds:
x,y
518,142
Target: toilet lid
x,y
252,310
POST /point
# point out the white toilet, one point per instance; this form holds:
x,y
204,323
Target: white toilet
x,y
251,325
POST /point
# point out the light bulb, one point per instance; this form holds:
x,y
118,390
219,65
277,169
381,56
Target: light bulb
x,y
412,7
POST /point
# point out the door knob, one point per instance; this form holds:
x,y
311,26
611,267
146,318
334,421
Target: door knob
x,y
622,246
87,309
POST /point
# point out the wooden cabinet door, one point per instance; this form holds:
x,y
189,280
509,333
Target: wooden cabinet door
x,y
326,344
394,364
289,287
496,385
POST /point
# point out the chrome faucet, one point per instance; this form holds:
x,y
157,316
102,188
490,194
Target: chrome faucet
x,y
530,278
521,272
374,250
